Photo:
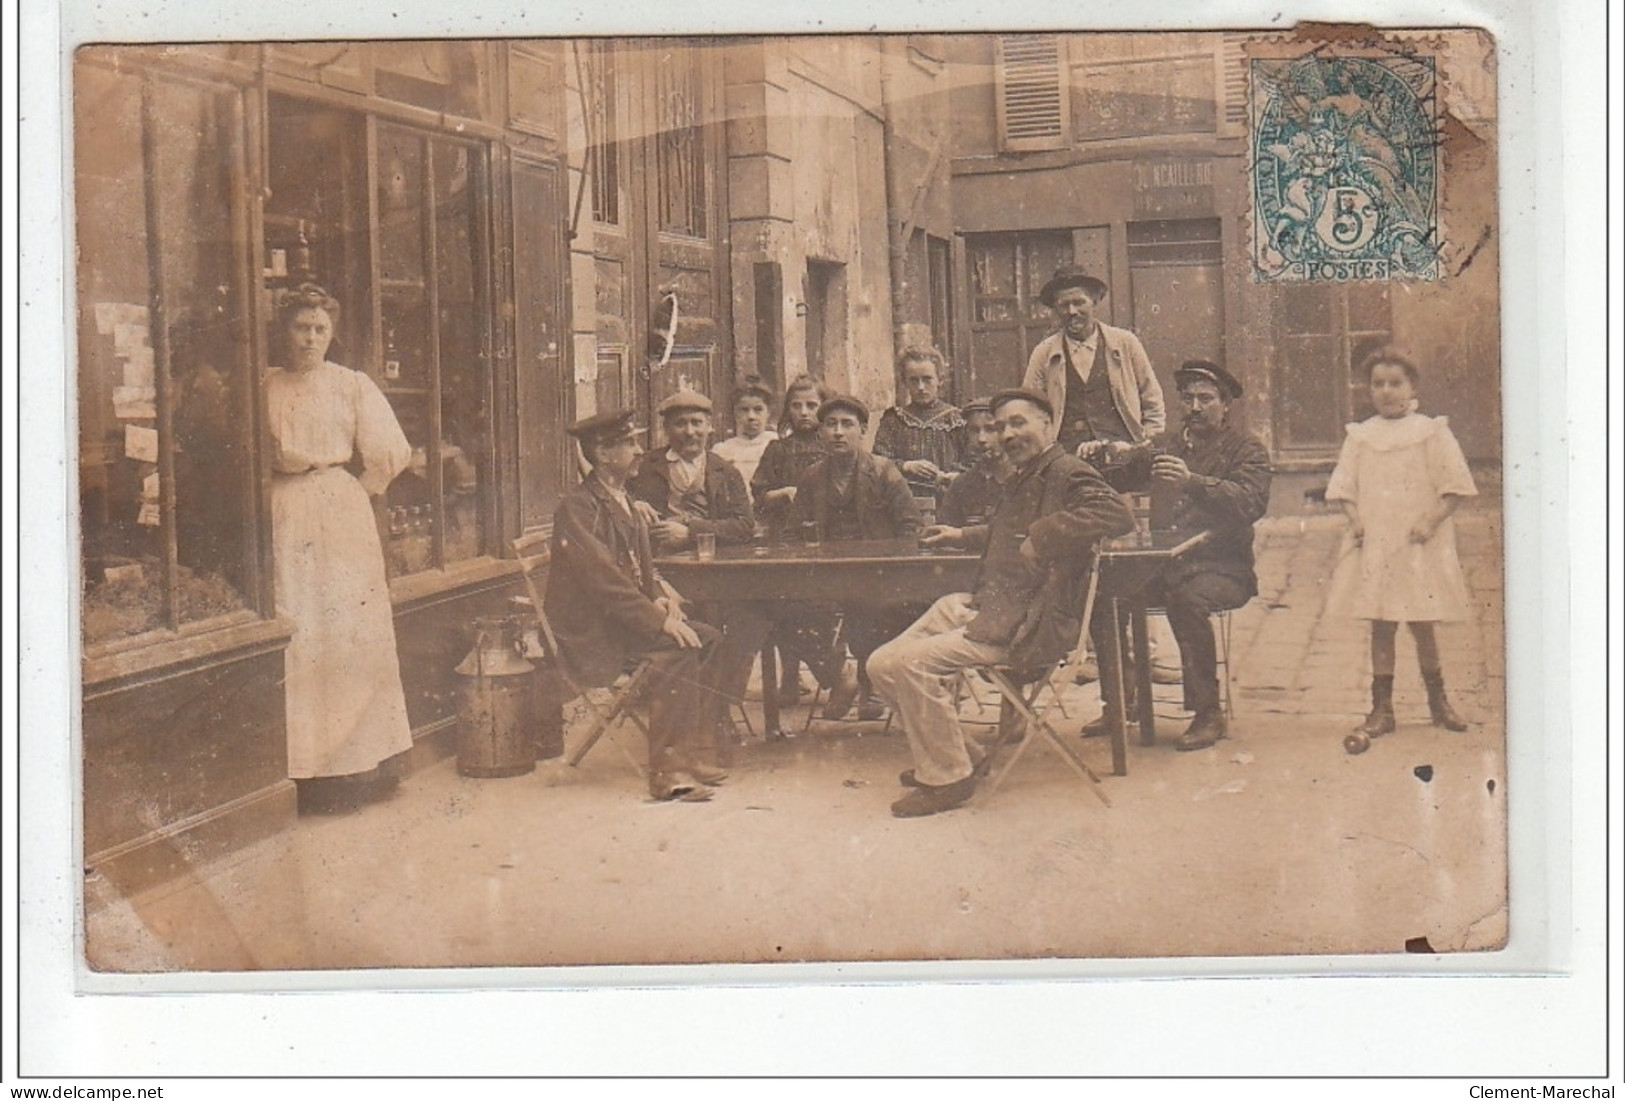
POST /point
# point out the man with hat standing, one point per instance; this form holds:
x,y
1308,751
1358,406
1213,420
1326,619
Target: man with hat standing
x,y
608,606
1025,609
852,494
1096,376
1219,480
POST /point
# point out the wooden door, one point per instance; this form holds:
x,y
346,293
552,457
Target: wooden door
x,y
539,336
679,205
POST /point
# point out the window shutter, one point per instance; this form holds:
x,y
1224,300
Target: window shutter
x,y
1032,101
1234,68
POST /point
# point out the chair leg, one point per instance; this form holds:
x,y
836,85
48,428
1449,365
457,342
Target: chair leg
x,y
1224,659
1035,722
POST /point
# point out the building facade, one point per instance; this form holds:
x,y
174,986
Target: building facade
x,y
1128,155
520,233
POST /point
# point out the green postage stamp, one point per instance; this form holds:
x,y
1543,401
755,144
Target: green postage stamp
x,y
1345,166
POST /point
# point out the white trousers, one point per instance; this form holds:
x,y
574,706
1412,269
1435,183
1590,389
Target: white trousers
x,y
909,673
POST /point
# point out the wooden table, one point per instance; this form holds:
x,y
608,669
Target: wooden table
x,y
871,572
1127,565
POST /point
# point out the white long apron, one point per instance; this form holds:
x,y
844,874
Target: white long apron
x,y
346,710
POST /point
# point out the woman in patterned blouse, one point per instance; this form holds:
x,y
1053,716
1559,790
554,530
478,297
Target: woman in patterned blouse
x,y
926,436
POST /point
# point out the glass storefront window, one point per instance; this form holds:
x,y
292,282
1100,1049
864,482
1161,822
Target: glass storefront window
x,y
166,488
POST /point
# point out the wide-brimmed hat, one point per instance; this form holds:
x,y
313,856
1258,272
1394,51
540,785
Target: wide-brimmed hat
x,y
1192,369
606,427
849,403
1005,396
1069,276
684,401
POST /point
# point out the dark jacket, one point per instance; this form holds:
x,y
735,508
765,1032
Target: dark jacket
x,y
784,461
1062,506
601,586
1230,495
727,509
974,493
885,506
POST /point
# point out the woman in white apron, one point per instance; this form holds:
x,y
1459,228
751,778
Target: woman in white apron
x,y
346,710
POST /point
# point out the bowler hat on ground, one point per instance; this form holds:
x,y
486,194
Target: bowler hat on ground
x,y
1206,370
1069,276
1005,396
684,401
847,402
605,427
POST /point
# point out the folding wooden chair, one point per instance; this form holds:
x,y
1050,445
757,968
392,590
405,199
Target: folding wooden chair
x,y
1019,691
533,553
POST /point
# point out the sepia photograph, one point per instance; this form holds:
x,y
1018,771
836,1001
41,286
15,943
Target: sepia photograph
x,y
603,501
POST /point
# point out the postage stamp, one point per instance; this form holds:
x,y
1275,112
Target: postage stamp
x,y
1344,168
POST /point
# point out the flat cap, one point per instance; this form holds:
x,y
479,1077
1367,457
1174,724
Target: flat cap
x,y
1192,369
977,405
613,424
1004,396
844,401
684,401
1069,276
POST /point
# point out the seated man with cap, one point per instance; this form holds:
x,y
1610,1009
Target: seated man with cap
x,y
1025,610
1215,478
850,495
691,492
973,495
610,608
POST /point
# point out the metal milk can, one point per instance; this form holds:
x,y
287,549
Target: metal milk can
x,y
494,725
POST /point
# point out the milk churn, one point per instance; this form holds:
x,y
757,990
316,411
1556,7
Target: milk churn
x,y
494,726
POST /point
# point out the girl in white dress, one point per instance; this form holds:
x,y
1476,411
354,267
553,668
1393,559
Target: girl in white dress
x,y
346,710
1399,478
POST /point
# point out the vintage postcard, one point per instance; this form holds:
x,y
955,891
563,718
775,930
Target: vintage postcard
x,y
739,500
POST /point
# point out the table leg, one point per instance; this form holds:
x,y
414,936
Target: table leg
x,y
770,690
1109,642
1142,674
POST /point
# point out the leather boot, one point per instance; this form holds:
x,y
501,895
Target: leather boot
x,y
1381,719
1439,704
1205,729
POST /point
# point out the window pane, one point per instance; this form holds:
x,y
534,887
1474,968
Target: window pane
x,y
680,150
209,377
1308,410
603,157
465,423
118,445
1368,308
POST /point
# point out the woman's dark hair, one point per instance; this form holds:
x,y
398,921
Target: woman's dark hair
x,y
752,387
1391,358
802,382
306,296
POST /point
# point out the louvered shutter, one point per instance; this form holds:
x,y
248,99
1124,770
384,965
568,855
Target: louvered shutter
x,y
1234,62
1032,99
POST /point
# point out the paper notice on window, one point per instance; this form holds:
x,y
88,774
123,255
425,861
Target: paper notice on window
x,y
129,339
149,514
149,487
134,403
107,315
141,443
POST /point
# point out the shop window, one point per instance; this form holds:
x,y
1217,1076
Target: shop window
x,y
434,373
680,147
438,75
1031,92
1323,335
396,239
165,387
